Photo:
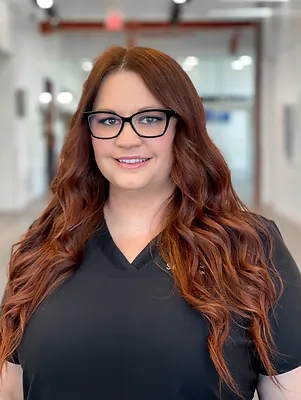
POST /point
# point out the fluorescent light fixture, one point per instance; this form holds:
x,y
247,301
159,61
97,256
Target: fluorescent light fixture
x,y
45,98
252,12
87,65
237,65
246,60
64,97
179,1
45,4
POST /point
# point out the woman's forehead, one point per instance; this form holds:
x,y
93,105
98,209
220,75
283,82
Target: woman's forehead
x,y
125,92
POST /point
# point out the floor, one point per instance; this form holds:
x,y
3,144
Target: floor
x,y
12,226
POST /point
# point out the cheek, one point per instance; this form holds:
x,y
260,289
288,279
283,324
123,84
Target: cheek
x,y
101,148
101,154
165,143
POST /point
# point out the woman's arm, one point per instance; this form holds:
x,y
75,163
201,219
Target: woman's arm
x,y
291,381
11,387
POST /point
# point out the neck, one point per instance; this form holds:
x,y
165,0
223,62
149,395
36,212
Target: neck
x,y
137,210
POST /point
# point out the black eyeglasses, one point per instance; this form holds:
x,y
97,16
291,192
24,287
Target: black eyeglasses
x,y
147,124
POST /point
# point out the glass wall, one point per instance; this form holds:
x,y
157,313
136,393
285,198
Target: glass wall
x,y
227,85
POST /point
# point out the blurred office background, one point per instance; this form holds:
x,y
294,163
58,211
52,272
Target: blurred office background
x,y
243,56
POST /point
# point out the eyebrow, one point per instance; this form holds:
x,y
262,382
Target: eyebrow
x,y
139,110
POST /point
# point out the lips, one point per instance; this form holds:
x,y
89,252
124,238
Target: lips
x,y
132,160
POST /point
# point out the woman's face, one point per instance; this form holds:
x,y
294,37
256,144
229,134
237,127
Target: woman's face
x,y
125,93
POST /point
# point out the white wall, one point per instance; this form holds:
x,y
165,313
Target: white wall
x,y
5,28
34,58
7,147
281,178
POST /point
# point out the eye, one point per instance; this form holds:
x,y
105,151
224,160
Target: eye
x,y
108,121
150,120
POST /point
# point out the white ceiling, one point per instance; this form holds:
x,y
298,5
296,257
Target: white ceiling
x,y
160,9
202,43
131,9
89,44
75,45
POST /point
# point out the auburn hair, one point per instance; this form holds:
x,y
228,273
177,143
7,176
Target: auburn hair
x,y
205,222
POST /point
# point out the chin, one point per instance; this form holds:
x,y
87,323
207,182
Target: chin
x,y
130,185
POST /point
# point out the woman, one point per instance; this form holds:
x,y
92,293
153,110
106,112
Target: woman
x,y
146,277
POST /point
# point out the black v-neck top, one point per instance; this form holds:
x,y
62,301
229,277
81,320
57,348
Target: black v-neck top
x,y
116,330
114,254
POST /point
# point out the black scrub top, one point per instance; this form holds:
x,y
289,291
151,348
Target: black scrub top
x,y
116,330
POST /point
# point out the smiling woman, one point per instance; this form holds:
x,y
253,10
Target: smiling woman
x,y
146,277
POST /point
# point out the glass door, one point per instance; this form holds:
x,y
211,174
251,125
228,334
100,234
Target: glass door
x,y
230,127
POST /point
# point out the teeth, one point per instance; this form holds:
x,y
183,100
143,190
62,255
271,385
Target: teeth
x,y
133,161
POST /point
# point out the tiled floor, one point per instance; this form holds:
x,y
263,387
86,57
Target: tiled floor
x,y
12,226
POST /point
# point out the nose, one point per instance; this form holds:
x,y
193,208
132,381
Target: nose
x,y
128,137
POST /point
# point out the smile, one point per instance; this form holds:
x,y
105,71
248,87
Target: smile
x,y
133,160
132,163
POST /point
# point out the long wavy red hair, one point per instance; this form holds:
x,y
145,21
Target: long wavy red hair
x,y
205,222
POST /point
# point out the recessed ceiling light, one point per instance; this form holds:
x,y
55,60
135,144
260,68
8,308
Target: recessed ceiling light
x,y
237,65
87,65
189,63
45,98
64,97
45,4
246,60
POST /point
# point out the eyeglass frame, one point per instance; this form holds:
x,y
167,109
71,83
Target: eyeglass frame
x,y
169,114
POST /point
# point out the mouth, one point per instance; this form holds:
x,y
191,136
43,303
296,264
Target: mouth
x,y
133,164
132,160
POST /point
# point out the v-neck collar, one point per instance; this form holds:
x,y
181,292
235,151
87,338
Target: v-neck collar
x,y
115,255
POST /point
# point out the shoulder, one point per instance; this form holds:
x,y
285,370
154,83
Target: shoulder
x,y
276,249
270,234
269,226
285,317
